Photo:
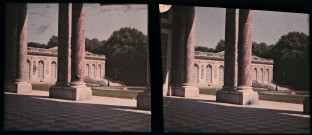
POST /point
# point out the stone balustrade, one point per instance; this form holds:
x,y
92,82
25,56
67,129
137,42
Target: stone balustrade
x,y
220,56
53,52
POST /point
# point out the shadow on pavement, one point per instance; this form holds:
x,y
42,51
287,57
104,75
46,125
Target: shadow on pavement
x,y
204,116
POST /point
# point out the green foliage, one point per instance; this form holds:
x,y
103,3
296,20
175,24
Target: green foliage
x,y
126,56
53,41
203,49
291,57
93,45
262,50
34,44
220,46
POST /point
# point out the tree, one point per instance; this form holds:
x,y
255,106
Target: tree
x,y
126,56
262,50
220,46
203,49
35,44
53,41
93,44
291,60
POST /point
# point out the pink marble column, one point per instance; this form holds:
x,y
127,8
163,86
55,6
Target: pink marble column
x,y
64,26
244,49
189,46
230,49
78,44
21,59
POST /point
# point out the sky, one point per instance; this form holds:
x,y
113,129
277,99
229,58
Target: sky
x,y
102,21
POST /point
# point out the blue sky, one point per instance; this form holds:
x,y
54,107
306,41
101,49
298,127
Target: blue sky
x,y
101,21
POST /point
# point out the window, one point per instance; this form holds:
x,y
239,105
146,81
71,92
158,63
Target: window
x,y
208,74
40,70
261,75
268,75
99,71
53,70
221,72
28,69
196,69
93,71
255,74
87,70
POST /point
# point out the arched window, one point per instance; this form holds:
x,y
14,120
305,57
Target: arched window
x,y
209,74
53,70
261,75
93,71
255,74
28,69
99,71
196,69
87,70
268,75
40,70
221,73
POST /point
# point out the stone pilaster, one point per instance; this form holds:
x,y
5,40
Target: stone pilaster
x,y
185,55
243,94
20,85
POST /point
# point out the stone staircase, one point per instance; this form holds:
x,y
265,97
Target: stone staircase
x,y
271,86
103,81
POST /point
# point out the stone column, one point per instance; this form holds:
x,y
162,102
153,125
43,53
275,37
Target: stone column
x,y
144,98
243,94
63,58
10,41
77,89
230,49
187,89
189,46
20,85
178,31
244,50
78,44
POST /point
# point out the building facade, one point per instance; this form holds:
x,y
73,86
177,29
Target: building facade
x,y
42,65
209,69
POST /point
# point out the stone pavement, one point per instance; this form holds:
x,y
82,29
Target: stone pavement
x,y
37,112
203,115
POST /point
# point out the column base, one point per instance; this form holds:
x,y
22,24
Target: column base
x,y
240,97
144,100
18,87
185,91
306,105
71,93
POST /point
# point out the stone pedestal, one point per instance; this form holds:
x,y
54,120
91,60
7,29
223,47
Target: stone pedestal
x,y
245,97
18,87
306,105
71,93
144,100
185,91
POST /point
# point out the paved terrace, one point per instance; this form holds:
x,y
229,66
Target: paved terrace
x,y
202,114
36,112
